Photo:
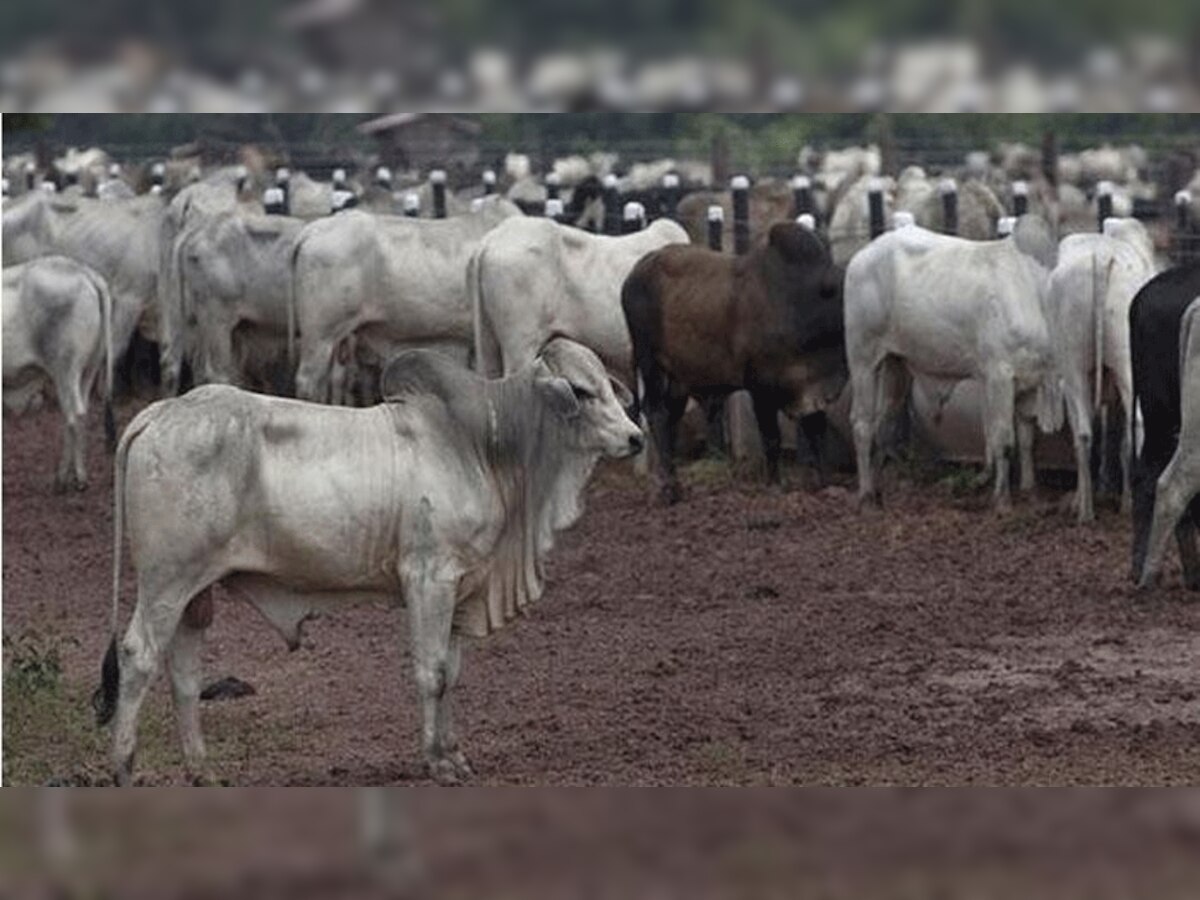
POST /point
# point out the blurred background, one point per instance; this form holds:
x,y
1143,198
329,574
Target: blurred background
x,y
877,843
813,55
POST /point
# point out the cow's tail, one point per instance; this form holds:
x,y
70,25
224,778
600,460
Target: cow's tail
x,y
104,700
1100,277
106,335
638,311
293,275
487,349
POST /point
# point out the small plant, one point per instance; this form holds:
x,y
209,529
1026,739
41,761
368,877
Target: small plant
x,y
32,663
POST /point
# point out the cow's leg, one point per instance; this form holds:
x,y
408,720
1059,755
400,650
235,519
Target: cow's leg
x,y
312,374
430,597
71,471
664,412
151,630
998,419
766,413
1185,536
1025,433
1080,419
864,419
1172,496
183,660
1127,432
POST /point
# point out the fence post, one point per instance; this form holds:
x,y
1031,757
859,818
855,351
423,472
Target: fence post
x,y
339,178
158,174
3,187
802,196
30,176
612,205
343,199
1020,191
283,181
875,207
740,185
489,182
1005,225
738,430
412,204
1183,225
437,178
949,191
273,202
1104,203
552,185
554,209
634,216
670,183
383,178
716,225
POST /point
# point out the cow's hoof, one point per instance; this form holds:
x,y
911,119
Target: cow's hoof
x,y
670,494
60,485
448,773
80,486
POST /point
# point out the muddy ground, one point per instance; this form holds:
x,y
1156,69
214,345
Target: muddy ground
x,y
743,637
819,843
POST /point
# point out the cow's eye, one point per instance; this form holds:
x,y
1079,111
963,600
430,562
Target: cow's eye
x,y
581,394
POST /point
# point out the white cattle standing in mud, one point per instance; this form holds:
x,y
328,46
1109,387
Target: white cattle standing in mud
x,y
446,497
383,282
118,239
58,325
953,309
1180,481
234,279
1091,289
219,193
533,279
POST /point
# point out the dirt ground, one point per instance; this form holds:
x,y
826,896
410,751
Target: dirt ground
x,y
819,843
744,637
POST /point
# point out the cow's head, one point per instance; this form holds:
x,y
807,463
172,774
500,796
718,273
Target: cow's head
x,y
578,390
805,257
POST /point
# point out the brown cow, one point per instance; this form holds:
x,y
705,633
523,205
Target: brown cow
x,y
705,324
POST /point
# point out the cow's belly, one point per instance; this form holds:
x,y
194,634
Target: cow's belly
x,y
939,348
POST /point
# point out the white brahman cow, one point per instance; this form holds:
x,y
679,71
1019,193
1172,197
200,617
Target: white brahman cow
x,y
446,498
1091,289
384,282
951,309
234,278
58,325
118,239
532,279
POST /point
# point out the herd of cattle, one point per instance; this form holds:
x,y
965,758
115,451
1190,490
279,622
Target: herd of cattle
x,y
515,350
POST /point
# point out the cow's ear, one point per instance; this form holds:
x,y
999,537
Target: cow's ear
x,y
624,395
795,243
558,395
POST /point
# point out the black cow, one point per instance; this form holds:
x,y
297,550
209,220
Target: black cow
x,y
705,324
1154,318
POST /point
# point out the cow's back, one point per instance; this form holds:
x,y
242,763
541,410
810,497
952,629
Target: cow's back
x,y
52,315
